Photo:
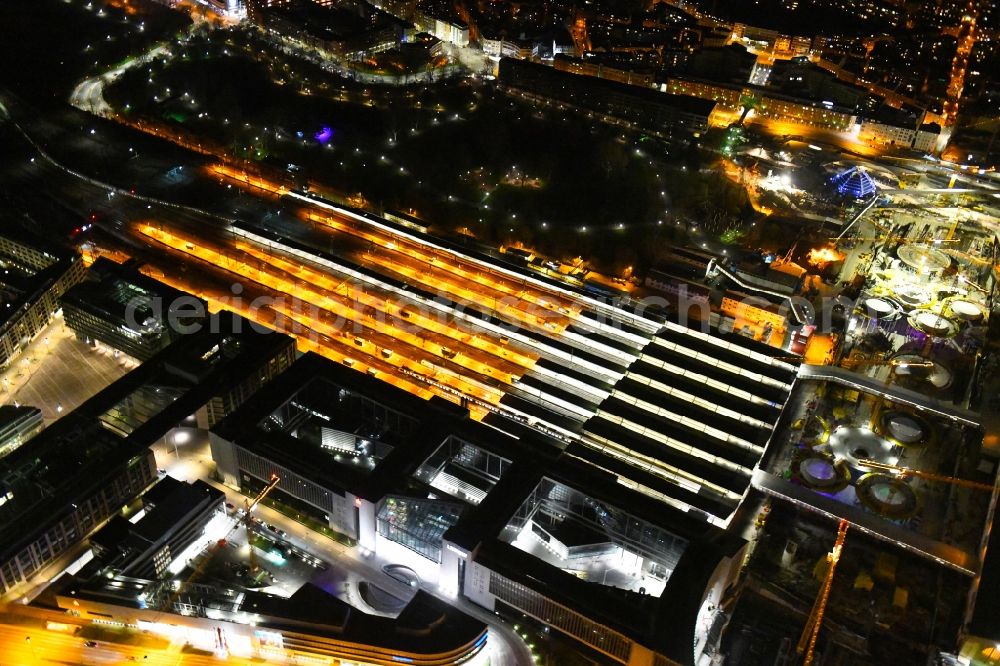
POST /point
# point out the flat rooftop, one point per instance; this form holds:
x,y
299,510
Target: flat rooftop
x,y
332,22
705,404
496,483
110,289
685,103
284,423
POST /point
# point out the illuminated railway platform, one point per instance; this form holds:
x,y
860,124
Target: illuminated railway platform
x,y
692,408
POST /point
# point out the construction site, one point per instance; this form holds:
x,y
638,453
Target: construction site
x,y
806,575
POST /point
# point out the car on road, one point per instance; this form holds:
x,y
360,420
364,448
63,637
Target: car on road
x,y
230,506
90,644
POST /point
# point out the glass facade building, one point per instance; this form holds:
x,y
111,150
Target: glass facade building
x,y
419,524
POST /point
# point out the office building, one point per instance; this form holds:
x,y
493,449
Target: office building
x,y
33,275
501,514
18,424
86,466
600,70
352,30
646,109
769,104
130,581
118,306
312,625
174,515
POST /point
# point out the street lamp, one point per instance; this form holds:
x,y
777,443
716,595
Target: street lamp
x,y
34,653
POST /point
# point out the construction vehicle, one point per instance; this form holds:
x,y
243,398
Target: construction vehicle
x,y
246,520
810,632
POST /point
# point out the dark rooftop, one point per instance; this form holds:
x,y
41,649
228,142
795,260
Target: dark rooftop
x,y
685,103
173,508
111,288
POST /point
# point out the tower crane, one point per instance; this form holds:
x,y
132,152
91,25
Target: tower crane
x,y
244,520
810,632
903,472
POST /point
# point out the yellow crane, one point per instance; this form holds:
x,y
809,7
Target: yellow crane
x,y
245,520
810,632
903,472
248,506
897,237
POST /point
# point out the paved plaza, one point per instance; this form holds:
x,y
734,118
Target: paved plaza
x,y
58,372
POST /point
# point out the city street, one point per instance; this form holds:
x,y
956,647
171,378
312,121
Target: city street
x,y
27,646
